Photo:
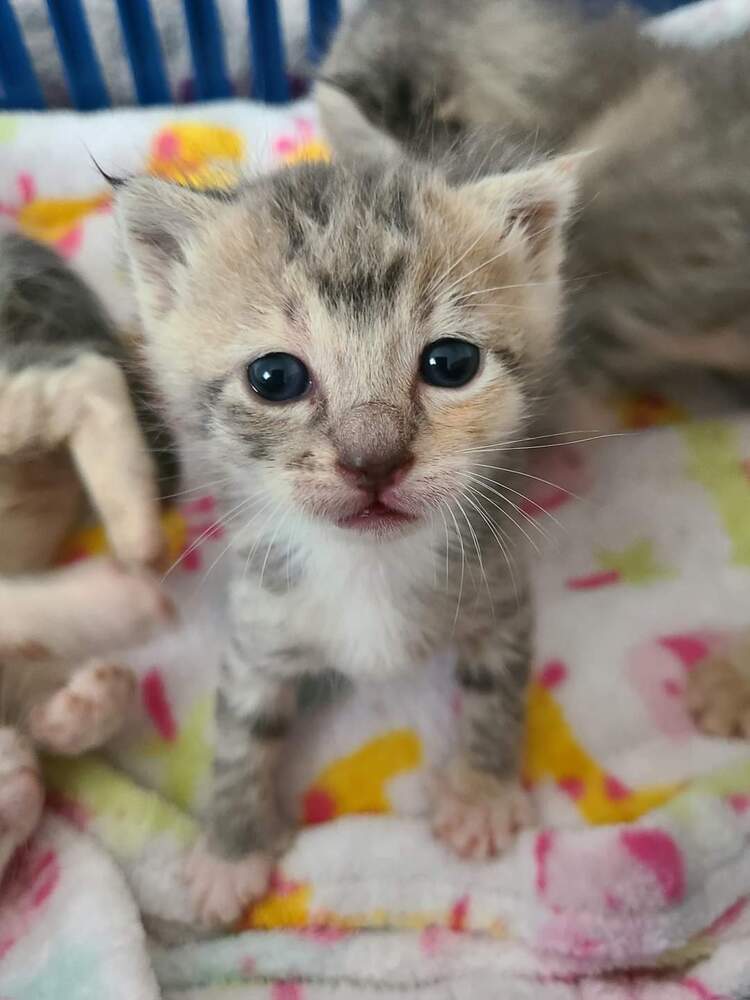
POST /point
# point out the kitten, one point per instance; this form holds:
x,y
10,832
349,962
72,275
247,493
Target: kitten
x,y
355,349
66,414
656,256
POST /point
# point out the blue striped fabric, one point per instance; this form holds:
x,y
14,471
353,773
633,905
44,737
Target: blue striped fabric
x,y
270,81
19,87
207,46
324,16
19,83
82,71
144,52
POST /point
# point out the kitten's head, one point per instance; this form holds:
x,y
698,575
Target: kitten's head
x,y
344,340
424,75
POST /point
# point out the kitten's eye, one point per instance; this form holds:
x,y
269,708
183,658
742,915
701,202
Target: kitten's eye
x,y
278,377
449,363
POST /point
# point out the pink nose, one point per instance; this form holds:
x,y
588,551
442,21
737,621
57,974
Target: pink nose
x,y
375,474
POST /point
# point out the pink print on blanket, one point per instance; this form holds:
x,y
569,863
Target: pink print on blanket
x,y
610,877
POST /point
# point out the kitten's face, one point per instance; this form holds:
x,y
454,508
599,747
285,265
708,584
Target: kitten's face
x,y
346,343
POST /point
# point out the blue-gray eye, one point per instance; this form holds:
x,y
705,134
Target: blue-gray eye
x,y
449,363
278,377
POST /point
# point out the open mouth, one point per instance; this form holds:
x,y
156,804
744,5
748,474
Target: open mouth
x,y
377,516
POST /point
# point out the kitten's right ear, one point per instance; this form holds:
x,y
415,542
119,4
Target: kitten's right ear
x,y
349,131
158,222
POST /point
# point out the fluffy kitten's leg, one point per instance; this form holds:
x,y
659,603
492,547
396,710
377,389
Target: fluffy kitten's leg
x,y
245,830
86,405
21,792
479,801
717,692
87,712
79,611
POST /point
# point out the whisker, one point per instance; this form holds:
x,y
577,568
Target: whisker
x,y
510,517
231,542
438,281
496,532
551,444
523,496
212,527
474,270
463,566
270,546
500,288
477,547
447,546
254,549
528,475
197,489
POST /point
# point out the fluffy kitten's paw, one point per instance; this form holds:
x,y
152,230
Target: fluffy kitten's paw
x,y
477,815
132,604
21,789
87,712
717,696
101,606
222,890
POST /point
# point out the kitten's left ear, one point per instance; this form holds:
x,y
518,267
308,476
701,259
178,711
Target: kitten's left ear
x,y
531,205
159,222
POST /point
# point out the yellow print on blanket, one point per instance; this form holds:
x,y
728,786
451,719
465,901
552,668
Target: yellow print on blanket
x,y
553,752
198,154
55,221
358,783
715,460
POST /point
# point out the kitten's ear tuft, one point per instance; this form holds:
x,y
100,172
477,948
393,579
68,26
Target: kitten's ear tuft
x,y
158,221
532,204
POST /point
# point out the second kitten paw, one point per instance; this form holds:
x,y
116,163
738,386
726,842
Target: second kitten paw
x,y
222,890
717,696
87,712
477,815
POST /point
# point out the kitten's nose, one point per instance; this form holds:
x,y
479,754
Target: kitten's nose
x,y
375,472
373,446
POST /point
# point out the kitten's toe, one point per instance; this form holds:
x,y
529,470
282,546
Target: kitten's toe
x,y
222,890
476,815
21,789
717,695
131,604
87,712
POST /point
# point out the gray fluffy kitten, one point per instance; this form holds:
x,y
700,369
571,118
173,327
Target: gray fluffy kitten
x,y
657,254
361,353
67,419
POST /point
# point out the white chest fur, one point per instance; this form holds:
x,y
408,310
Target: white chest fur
x,y
363,601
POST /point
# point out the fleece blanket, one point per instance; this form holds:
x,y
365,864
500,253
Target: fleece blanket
x,y
636,883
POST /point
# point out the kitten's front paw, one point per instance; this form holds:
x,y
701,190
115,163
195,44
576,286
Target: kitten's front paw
x,y
87,712
21,789
477,815
717,696
221,889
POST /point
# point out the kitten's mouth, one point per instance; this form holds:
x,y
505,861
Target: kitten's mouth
x,y
377,516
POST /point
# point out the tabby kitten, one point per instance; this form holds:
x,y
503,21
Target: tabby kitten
x,y
656,257
66,415
355,349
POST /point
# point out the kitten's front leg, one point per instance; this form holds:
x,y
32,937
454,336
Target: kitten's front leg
x,y
479,802
232,865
